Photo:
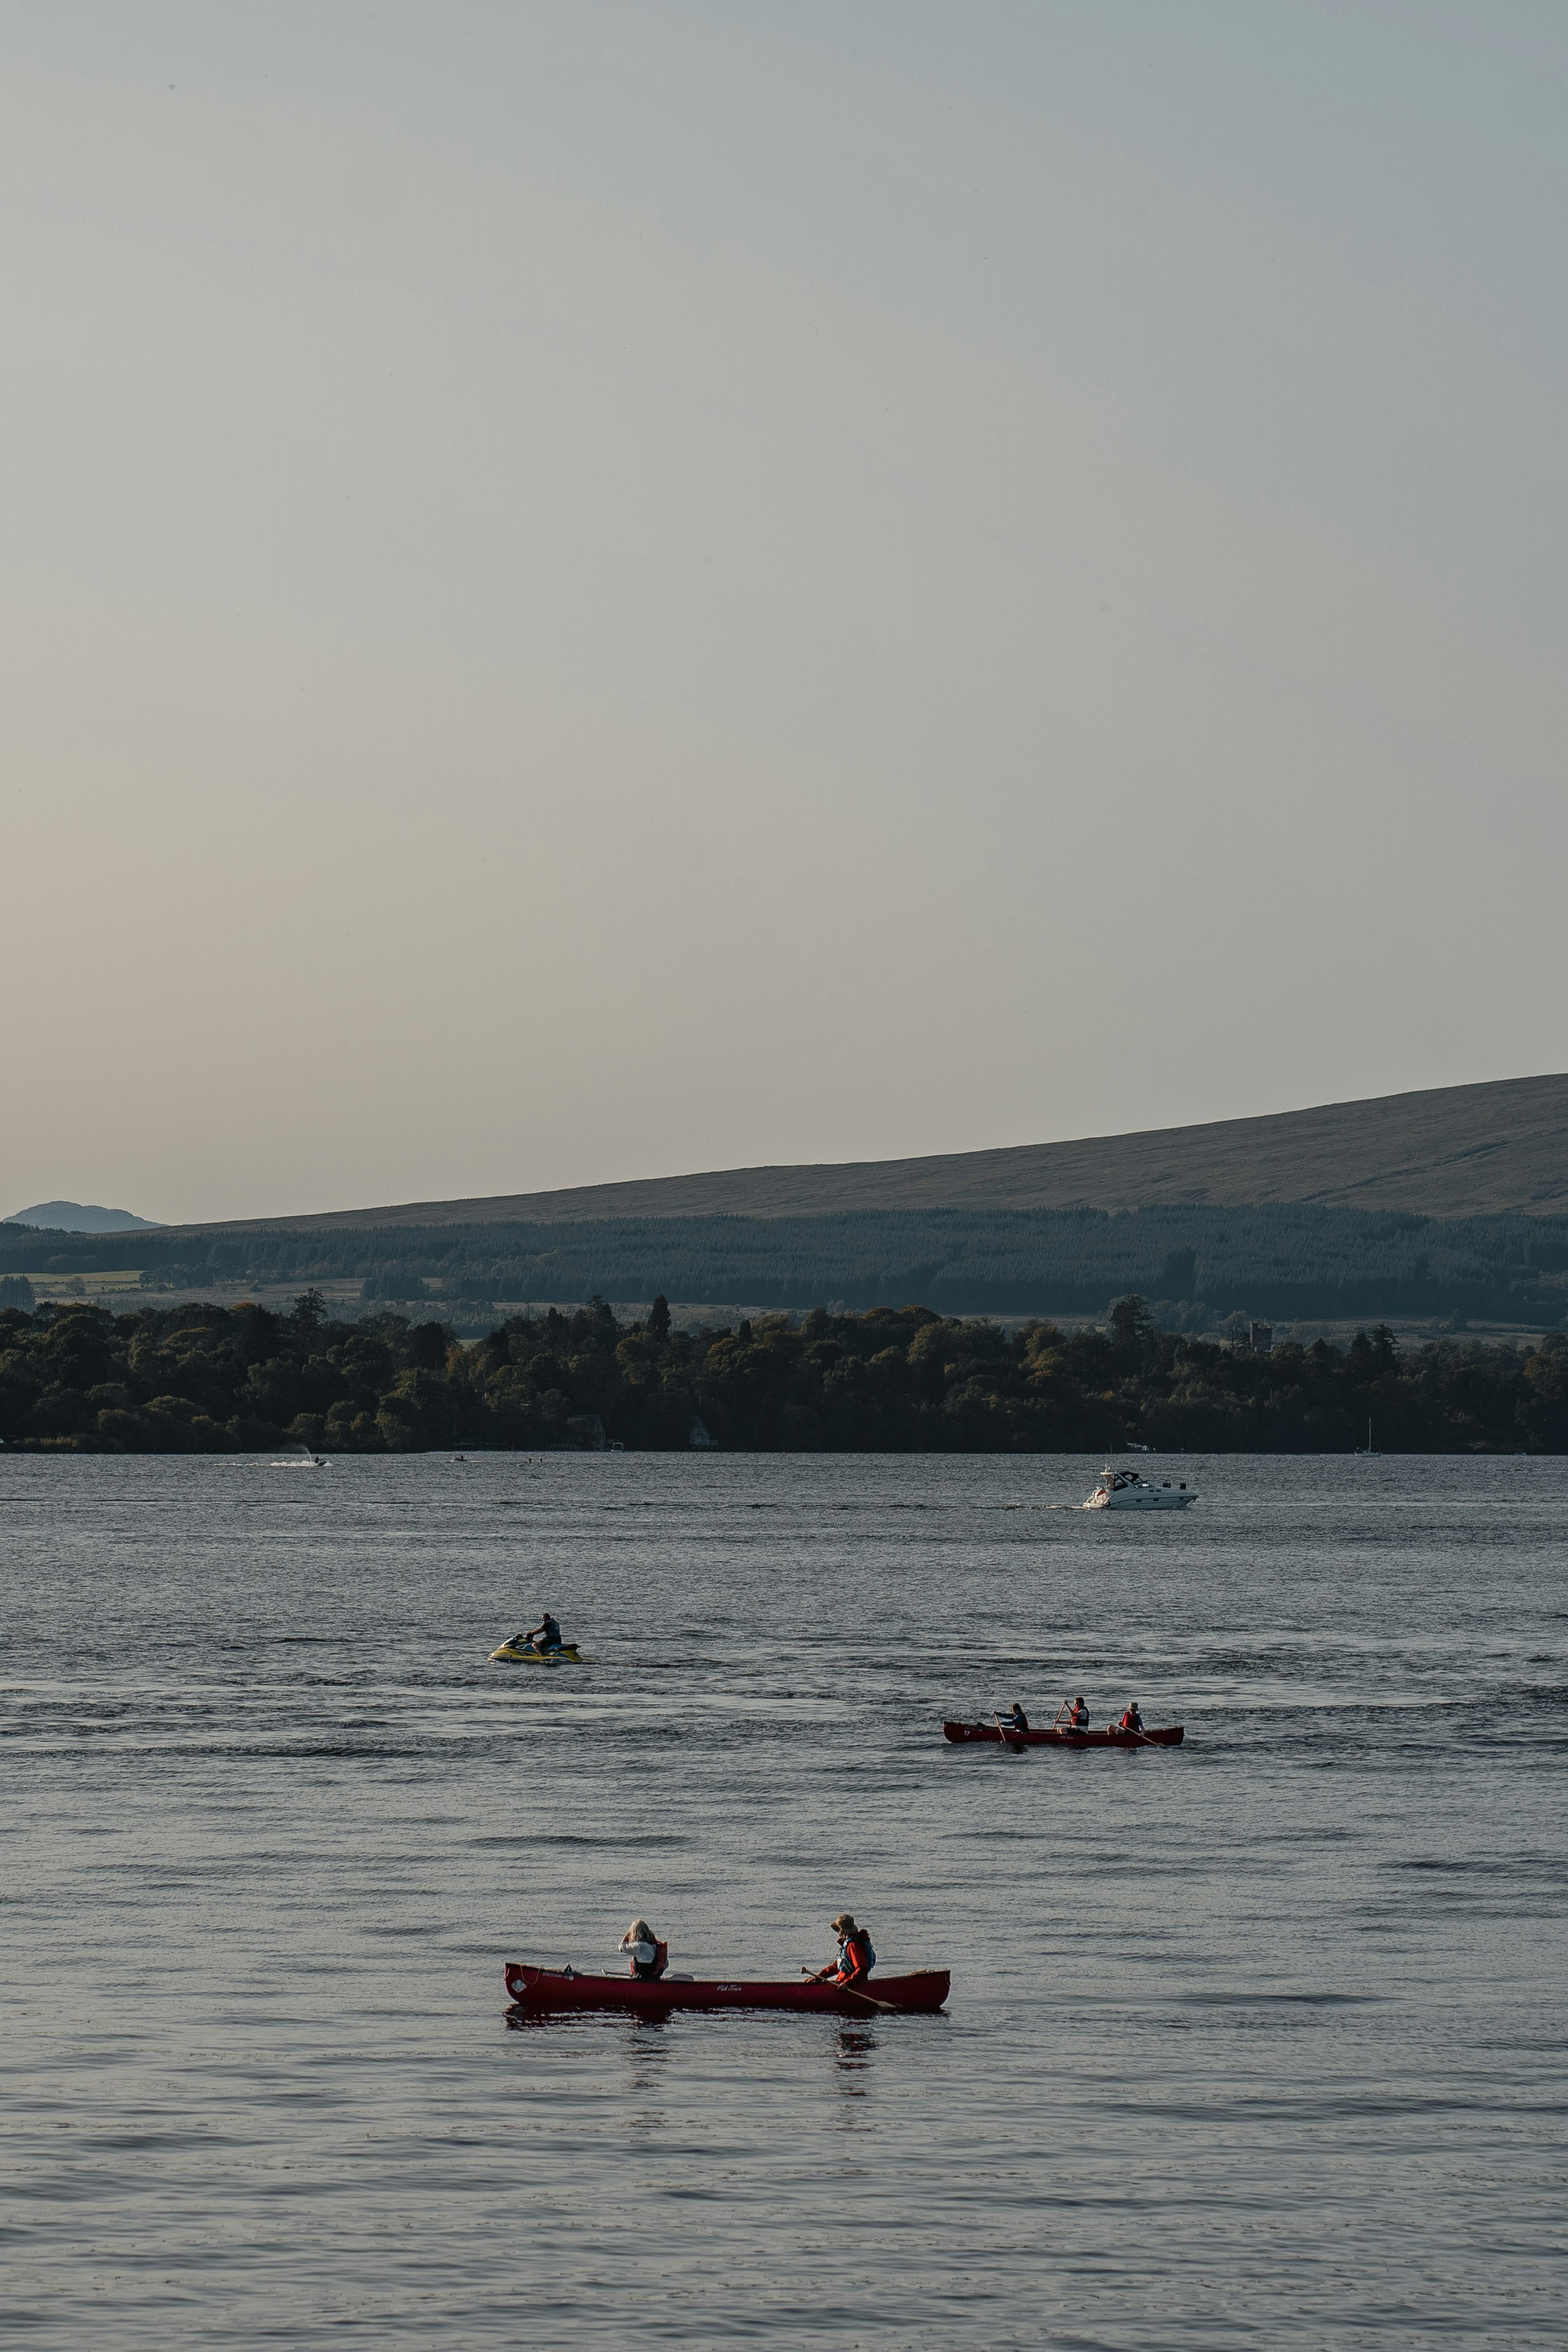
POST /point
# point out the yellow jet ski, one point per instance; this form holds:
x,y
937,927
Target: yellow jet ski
x,y
509,1654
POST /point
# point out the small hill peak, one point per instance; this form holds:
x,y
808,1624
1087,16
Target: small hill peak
x,y
77,1217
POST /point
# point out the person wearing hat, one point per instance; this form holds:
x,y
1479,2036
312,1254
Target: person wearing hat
x,y
856,1959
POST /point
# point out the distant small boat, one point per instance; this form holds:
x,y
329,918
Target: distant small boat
x,y
1129,1490
1170,1735
306,1459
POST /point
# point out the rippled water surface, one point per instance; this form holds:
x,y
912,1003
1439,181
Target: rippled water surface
x,y
1257,2042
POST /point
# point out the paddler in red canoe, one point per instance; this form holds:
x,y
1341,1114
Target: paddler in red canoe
x,y
649,1956
856,1959
1131,1720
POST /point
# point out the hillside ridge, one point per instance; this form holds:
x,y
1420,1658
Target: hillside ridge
x,y
1486,1150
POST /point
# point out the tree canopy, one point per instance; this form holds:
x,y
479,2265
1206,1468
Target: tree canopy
x,y
205,1378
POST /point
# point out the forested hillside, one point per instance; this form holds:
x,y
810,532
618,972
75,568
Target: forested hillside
x,y
1196,1265
196,1378
1444,1204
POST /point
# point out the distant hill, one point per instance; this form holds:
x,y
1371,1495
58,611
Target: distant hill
x,y
1448,1152
73,1217
1450,1204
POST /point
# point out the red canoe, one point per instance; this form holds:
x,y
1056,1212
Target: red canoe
x,y
1170,1737
552,1989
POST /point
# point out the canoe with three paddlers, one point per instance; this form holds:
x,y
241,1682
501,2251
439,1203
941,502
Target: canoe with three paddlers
x,y
1171,1736
918,1994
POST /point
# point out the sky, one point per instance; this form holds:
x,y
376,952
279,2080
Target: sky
x,y
596,590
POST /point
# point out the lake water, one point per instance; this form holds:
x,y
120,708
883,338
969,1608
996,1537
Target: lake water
x,y
1259,2042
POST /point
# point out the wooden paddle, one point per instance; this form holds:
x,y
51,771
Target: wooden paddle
x,y
1128,1733
846,1992
1009,1738
888,2008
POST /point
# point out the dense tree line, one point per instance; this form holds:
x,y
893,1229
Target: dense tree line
x,y
1197,1264
205,1378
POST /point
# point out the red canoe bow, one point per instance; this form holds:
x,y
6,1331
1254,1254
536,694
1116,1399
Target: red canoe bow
x,y
916,1995
1171,1736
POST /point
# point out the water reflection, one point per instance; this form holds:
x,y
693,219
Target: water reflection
x,y
518,2019
854,2049
648,2049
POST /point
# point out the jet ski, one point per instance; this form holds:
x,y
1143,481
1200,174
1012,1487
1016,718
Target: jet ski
x,y
510,1654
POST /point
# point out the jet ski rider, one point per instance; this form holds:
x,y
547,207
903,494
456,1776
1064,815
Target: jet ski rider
x,y
545,1635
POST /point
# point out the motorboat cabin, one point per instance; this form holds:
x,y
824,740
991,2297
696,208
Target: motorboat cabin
x,y
1129,1490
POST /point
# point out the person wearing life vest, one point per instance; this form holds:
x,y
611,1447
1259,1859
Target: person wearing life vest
x,y
1077,1714
1131,1720
856,1959
649,1956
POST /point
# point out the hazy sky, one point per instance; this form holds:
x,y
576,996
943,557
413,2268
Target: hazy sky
x,y
593,589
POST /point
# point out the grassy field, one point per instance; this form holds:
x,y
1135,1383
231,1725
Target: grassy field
x,y
123,1291
107,1287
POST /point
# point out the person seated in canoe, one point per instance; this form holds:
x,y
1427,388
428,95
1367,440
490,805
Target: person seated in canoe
x,y
1016,1719
856,1959
1076,1713
1131,1720
649,1956
545,1635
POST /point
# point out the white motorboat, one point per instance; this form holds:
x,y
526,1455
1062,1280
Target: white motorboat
x,y
1129,1490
